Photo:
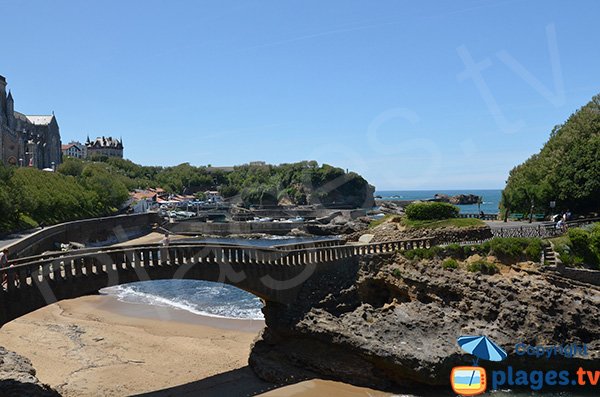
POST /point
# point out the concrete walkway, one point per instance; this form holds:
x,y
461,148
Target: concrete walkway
x,y
13,238
515,224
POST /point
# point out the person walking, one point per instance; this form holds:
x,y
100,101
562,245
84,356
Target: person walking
x,y
164,251
4,258
4,264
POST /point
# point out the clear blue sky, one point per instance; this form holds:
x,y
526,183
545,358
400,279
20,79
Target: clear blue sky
x,y
412,95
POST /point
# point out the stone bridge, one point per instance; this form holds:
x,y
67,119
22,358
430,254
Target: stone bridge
x,y
273,274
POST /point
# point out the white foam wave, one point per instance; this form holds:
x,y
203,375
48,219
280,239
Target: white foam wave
x,y
127,294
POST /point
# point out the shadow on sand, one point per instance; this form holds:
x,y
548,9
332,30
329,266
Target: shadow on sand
x,y
238,382
14,388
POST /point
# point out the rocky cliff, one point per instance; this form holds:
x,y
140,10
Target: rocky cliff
x,y
17,377
393,323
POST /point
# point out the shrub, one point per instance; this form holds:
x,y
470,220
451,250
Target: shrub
x,y
483,267
534,249
455,251
431,211
397,273
450,264
516,248
423,253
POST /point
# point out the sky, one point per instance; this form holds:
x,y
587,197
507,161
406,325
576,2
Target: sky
x,y
411,95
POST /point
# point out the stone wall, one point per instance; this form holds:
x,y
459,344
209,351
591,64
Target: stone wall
x,y
115,228
582,275
222,229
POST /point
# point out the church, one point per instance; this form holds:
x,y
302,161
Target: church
x,y
32,141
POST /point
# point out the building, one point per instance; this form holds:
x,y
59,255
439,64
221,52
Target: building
x,y
27,140
104,146
74,149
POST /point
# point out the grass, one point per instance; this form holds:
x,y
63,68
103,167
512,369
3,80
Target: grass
x,y
436,224
387,217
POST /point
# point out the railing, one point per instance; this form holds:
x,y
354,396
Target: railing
x,y
545,230
85,263
485,217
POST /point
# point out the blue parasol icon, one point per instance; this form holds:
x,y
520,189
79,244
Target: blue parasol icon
x,y
482,348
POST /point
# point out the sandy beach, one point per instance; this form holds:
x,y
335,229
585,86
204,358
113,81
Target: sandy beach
x,y
99,346
91,347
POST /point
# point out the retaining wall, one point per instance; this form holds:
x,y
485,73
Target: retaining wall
x,y
84,231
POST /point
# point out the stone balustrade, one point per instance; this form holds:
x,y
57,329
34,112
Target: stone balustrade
x,y
270,273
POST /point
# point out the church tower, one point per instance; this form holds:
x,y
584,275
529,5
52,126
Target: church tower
x,y
10,111
3,120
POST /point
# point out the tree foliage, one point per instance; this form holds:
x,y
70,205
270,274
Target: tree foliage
x,y
567,169
100,186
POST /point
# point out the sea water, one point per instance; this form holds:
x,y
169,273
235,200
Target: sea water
x,y
199,297
489,205
202,297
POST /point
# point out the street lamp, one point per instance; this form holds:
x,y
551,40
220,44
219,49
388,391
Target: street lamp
x,y
21,162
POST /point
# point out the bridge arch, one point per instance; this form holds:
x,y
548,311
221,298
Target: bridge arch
x,y
272,274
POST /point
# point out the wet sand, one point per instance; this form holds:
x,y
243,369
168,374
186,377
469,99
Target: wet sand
x,y
99,346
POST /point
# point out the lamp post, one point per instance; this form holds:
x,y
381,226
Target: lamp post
x,y
21,162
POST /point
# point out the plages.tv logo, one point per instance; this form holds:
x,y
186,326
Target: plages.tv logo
x,y
472,380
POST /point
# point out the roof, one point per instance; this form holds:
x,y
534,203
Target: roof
x,y
40,120
70,145
105,142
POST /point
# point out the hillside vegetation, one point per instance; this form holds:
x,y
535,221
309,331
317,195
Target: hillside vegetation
x,y
567,169
29,197
305,182
82,189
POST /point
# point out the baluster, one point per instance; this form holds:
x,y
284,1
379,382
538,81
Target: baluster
x,y
56,270
23,275
69,268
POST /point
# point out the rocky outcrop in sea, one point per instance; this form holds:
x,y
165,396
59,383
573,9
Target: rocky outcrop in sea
x,y
388,323
459,199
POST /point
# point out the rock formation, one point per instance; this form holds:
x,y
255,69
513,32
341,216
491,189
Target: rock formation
x,y
17,377
393,323
460,199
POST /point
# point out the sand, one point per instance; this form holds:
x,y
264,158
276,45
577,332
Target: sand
x,y
99,346
82,347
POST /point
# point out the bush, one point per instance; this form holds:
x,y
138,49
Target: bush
x,y
431,211
423,253
534,249
584,246
516,248
482,266
455,251
450,264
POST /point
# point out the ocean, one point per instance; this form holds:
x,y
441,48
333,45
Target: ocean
x,y
199,297
491,198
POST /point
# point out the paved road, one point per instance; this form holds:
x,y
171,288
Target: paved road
x,y
516,225
13,238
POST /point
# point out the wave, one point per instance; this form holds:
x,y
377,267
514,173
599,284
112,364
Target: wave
x,y
202,299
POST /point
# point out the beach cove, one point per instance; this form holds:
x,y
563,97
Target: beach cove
x,y
100,346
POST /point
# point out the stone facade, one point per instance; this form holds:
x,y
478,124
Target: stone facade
x,y
27,140
104,146
74,149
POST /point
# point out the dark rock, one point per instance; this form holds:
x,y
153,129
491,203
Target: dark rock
x,y
389,323
17,377
460,199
